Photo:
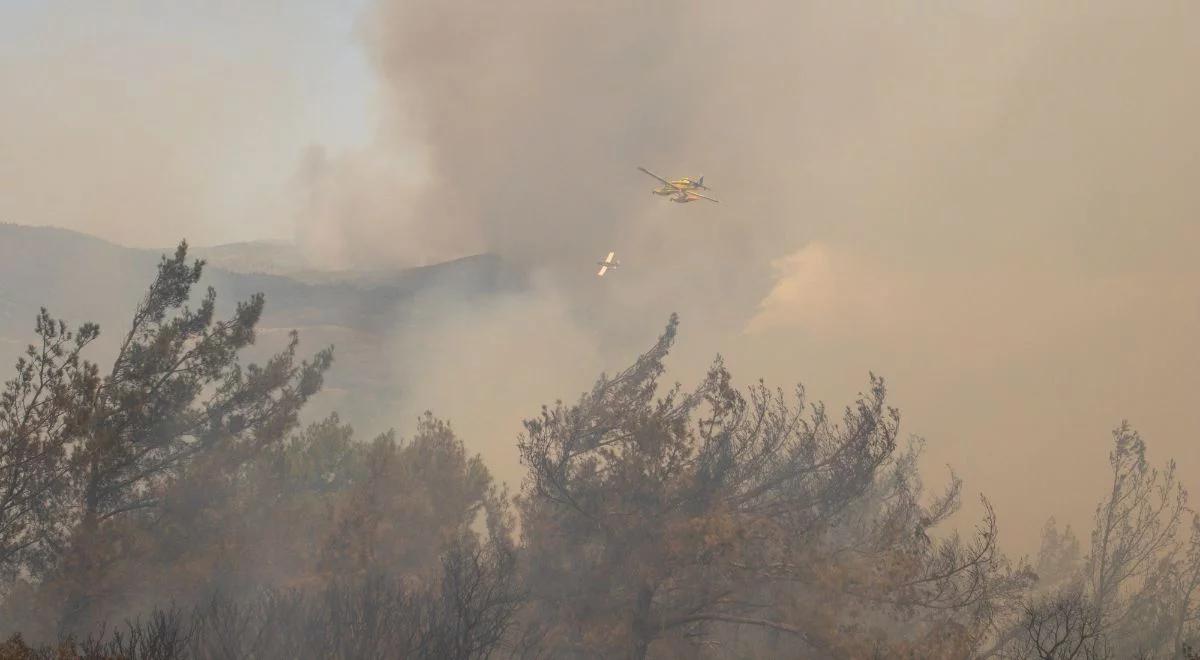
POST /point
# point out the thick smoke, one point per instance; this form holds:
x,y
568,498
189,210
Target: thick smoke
x,y
990,204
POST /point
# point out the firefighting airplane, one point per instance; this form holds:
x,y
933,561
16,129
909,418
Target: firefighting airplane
x,y
608,262
680,190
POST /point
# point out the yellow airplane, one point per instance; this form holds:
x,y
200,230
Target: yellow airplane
x,y
680,190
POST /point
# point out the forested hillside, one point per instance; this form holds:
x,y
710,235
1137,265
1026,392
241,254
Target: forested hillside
x,y
167,502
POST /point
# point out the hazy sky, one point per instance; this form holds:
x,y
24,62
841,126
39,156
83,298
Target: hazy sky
x,y
146,121
992,204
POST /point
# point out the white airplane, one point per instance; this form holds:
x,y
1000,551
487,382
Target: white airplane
x,y
608,262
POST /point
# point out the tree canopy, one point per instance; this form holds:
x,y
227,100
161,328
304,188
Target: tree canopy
x,y
179,492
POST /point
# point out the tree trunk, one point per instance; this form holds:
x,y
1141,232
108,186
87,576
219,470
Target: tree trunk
x,y
1180,621
81,566
642,629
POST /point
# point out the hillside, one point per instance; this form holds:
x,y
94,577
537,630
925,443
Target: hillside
x,y
364,314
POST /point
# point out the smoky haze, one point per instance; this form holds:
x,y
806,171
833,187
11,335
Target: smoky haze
x,y
992,205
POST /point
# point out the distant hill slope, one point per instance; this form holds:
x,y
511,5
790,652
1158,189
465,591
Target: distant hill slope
x,y
83,278
268,257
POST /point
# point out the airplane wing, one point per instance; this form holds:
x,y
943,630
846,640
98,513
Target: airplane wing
x,y
696,194
603,270
609,258
656,176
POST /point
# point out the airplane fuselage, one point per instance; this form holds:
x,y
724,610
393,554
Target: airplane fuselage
x,y
678,185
